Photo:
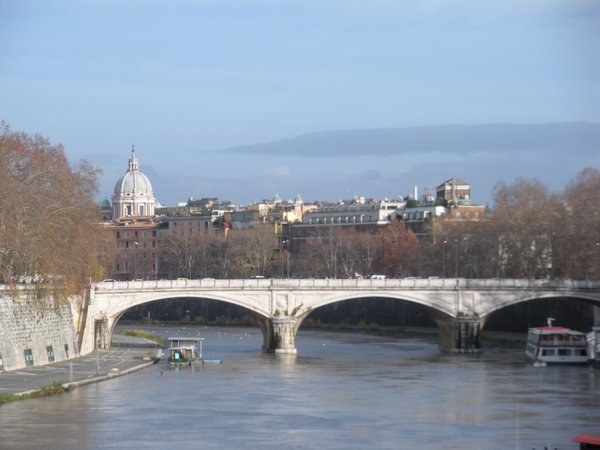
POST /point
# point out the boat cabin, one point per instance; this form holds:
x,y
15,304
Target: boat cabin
x,y
553,344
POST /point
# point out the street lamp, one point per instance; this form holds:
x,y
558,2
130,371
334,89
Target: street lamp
x,y
596,271
444,260
97,359
287,257
456,258
135,247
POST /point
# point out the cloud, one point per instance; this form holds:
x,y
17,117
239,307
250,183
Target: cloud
x,y
448,139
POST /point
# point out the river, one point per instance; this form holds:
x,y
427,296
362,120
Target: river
x,y
342,391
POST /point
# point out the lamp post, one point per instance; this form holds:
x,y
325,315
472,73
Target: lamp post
x,y
97,359
444,260
286,247
597,263
456,258
135,247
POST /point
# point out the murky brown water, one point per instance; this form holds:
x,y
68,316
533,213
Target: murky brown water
x,y
343,390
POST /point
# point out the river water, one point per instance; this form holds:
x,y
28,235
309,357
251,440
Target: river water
x,y
342,390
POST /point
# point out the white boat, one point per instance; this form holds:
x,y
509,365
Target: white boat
x,y
556,345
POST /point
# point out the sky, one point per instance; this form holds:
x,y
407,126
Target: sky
x,y
187,81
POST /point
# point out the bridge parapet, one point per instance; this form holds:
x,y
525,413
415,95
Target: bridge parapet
x,y
328,284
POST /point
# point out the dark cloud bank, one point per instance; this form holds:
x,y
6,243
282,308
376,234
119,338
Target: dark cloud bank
x,y
581,137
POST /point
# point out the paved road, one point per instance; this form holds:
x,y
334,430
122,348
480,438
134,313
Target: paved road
x,y
126,355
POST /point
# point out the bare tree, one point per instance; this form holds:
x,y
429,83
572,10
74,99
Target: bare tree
x,y
579,247
48,217
255,251
527,216
398,252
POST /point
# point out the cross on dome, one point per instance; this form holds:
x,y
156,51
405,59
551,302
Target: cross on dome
x,y
133,162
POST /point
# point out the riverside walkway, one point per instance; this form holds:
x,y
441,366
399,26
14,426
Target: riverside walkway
x,y
125,356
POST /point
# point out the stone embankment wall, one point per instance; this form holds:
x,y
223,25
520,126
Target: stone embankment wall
x,y
34,331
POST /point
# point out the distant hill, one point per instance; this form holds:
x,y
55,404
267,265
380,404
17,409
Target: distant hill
x,y
582,137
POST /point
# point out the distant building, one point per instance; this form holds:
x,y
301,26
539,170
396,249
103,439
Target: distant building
x,y
376,212
454,190
106,211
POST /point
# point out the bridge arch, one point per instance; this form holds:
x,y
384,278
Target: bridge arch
x,y
533,296
120,301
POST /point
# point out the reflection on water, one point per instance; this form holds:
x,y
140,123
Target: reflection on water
x,y
342,390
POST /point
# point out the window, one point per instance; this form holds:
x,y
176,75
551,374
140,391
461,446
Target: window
x,y
548,352
67,351
1,363
563,352
50,352
28,357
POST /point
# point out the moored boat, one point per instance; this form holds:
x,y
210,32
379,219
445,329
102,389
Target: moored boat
x,y
184,351
556,345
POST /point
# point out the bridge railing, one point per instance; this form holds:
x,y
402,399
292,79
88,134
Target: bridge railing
x,y
331,283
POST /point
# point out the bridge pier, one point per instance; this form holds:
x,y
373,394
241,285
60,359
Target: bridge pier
x,y
460,334
596,315
279,334
102,334
284,334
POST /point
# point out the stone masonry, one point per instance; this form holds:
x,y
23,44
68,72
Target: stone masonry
x,y
34,331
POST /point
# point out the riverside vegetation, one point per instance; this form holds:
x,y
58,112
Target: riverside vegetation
x,y
55,388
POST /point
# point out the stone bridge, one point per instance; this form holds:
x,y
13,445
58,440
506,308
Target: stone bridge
x,y
459,306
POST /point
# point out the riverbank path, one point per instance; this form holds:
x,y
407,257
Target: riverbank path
x,y
127,354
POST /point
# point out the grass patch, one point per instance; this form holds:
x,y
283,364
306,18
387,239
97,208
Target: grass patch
x,y
55,388
145,335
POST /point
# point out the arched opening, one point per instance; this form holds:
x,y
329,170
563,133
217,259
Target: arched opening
x,y
394,317
190,310
509,325
191,316
518,318
373,313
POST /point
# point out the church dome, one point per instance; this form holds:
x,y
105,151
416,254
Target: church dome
x,y
134,182
133,196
